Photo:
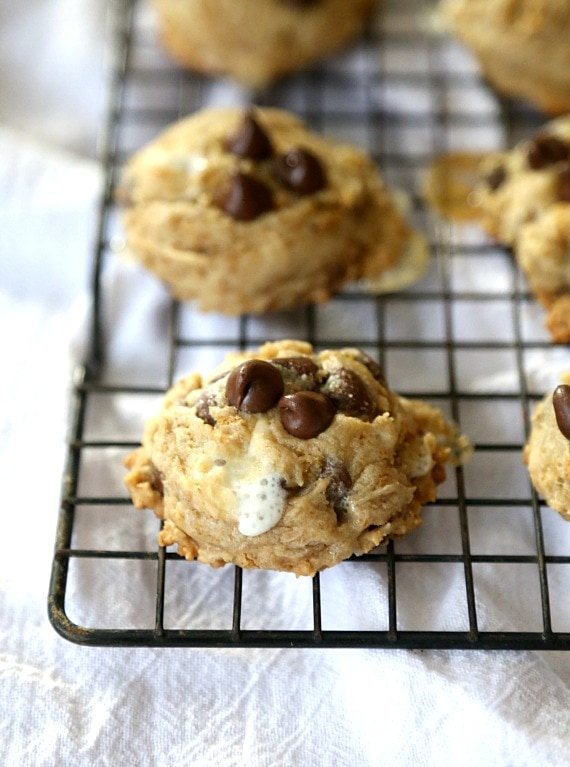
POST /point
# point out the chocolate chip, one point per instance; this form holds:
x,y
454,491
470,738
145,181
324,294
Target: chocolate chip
x,y
254,386
306,414
349,394
249,140
496,178
563,184
546,150
373,367
301,171
338,487
156,479
245,198
561,403
203,404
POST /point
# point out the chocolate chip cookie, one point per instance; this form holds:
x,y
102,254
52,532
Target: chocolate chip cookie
x,y
291,460
524,201
521,45
249,211
547,452
256,41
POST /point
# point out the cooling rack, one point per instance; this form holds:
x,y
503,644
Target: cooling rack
x,y
490,566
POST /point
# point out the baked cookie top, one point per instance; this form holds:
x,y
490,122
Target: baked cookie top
x,y
547,452
521,45
288,459
257,41
524,200
244,163
249,211
518,186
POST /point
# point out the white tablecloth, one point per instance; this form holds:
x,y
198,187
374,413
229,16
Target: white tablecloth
x,y
61,704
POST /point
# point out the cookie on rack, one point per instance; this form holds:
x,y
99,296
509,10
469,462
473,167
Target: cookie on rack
x,y
547,452
543,252
524,202
249,211
521,45
257,41
288,459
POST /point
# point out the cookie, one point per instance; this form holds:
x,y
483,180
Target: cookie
x,y
547,452
249,211
287,459
543,252
523,200
521,46
257,41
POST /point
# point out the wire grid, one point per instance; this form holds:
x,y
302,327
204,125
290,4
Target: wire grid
x,y
397,96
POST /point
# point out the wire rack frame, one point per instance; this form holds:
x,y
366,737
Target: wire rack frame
x,y
373,122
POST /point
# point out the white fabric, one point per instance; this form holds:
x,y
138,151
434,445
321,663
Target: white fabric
x,y
61,704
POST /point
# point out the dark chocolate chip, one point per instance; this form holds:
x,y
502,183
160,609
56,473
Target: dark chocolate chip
x,y
301,171
249,140
254,386
546,150
374,368
496,178
563,184
338,487
156,479
203,404
245,198
349,394
306,414
561,403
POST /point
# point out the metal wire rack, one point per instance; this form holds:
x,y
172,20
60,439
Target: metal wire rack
x,y
402,95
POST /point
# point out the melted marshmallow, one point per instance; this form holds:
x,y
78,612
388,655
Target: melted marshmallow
x,y
260,504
